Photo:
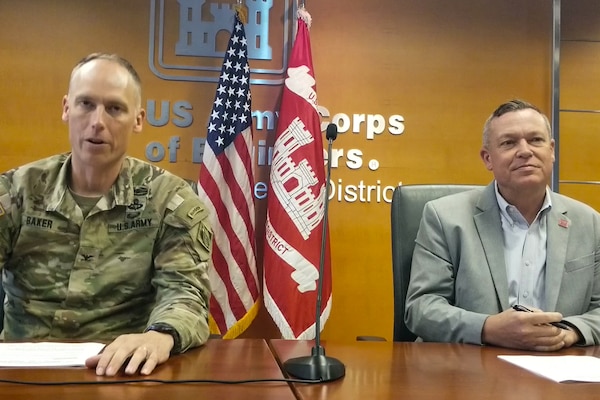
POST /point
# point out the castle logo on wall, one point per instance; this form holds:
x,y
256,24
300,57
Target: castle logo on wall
x,y
188,38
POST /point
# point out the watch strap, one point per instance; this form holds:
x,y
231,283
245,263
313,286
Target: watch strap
x,y
162,327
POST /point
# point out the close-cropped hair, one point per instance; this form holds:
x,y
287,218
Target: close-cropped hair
x,y
114,58
111,57
511,106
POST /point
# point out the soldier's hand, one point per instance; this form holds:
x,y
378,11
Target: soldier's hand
x,y
132,351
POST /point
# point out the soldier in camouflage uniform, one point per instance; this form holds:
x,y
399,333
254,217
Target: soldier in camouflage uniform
x,y
97,245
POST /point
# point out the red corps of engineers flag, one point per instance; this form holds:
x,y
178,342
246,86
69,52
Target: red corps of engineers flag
x,y
225,184
296,201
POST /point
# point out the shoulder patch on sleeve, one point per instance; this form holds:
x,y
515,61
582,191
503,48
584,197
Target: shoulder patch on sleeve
x,y
187,213
175,202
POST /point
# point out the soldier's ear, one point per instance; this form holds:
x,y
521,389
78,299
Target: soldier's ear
x,y
139,120
65,108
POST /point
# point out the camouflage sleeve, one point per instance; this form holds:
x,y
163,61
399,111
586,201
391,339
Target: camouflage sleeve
x,y
7,222
181,257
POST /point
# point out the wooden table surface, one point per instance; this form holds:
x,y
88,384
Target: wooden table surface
x,y
431,371
218,359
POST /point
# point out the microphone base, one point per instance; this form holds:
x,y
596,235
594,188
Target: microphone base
x,y
317,366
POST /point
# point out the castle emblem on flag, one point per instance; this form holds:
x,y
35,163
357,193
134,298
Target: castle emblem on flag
x,y
293,182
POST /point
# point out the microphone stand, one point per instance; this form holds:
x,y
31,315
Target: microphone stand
x,y
318,366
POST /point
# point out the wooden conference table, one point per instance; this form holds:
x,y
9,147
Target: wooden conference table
x,y
219,359
374,370
413,371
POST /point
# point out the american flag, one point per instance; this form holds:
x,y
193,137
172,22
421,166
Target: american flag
x,y
226,184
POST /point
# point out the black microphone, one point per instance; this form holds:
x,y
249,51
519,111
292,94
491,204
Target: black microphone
x,y
318,366
330,135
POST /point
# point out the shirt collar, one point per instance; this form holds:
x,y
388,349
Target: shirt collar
x,y
121,192
508,210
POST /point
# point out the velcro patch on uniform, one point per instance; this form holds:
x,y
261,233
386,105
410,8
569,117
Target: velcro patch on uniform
x,y
195,211
187,214
37,221
133,224
175,202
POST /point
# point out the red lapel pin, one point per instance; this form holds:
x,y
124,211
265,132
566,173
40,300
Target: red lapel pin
x,y
563,223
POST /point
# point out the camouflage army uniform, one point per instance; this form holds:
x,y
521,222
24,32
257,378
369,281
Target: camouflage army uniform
x,y
138,258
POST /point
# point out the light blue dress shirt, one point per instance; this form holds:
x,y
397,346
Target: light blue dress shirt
x,y
525,253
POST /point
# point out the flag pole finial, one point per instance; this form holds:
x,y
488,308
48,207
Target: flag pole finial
x,y
242,12
304,15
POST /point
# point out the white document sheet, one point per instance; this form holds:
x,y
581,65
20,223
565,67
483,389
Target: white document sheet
x,y
560,368
47,354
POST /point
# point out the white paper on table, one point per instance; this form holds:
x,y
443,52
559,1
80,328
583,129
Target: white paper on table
x,y
559,368
47,354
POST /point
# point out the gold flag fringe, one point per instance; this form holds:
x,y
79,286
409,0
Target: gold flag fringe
x,y
242,13
239,327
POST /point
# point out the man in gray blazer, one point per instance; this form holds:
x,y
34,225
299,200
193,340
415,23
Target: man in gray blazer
x,y
514,242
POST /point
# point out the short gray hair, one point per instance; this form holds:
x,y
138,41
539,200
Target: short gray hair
x,y
511,106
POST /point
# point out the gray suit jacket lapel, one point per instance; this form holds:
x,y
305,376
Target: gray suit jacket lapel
x,y
490,233
558,234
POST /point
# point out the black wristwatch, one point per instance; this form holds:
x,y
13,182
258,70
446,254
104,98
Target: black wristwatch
x,y
161,327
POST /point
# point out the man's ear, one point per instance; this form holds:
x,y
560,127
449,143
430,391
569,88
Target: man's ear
x,y
486,158
139,121
65,108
